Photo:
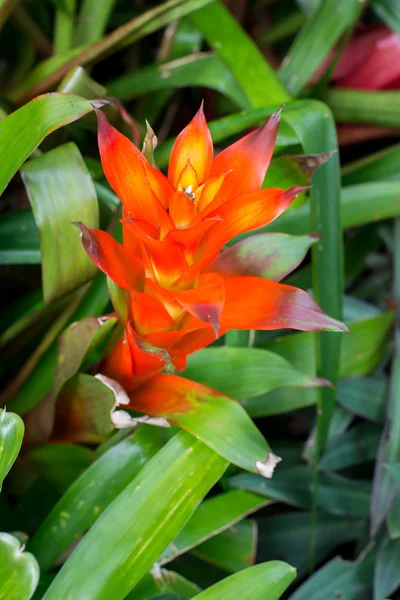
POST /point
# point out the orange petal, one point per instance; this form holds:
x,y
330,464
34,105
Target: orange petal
x,y
206,301
248,158
188,180
124,168
167,258
119,364
159,184
209,193
149,315
123,267
255,303
181,210
246,213
194,143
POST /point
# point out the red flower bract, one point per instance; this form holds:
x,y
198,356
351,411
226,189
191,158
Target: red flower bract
x,y
175,300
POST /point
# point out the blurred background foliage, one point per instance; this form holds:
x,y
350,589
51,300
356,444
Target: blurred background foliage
x,y
332,509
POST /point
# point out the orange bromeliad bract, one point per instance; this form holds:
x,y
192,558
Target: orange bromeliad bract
x,y
172,293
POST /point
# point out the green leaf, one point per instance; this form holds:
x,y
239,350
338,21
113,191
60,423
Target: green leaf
x,y
60,463
336,495
379,166
25,128
11,435
269,255
83,411
48,73
354,447
91,493
252,371
267,581
316,38
211,518
339,578
217,420
60,191
144,519
232,550
19,239
389,12
364,106
92,20
64,26
237,50
41,379
364,396
155,585
195,70
394,470
19,571
287,535
87,419
387,569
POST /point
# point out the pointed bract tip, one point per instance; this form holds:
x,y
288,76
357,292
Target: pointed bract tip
x,y
321,382
274,119
266,468
96,104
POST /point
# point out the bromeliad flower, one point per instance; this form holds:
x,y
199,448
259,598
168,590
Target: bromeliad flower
x,y
172,289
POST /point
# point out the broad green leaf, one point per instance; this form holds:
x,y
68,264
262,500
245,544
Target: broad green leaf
x,y
60,191
267,581
19,571
385,491
91,493
84,410
315,127
24,129
11,435
379,166
269,255
49,72
211,518
287,535
244,372
387,569
364,396
41,379
362,351
339,577
77,81
19,238
336,495
364,106
92,20
64,26
316,38
60,463
389,12
195,70
155,585
85,419
217,420
354,447
394,470
232,550
238,51
144,519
